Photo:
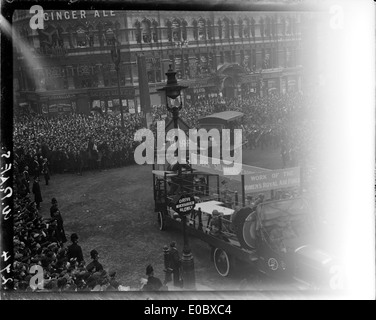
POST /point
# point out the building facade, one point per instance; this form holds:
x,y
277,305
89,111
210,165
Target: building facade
x,y
67,65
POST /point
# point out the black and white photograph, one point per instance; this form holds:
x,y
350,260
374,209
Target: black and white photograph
x,y
162,150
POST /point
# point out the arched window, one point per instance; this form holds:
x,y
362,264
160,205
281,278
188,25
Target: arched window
x,y
137,25
201,29
90,35
262,27
184,29
176,32
209,28
267,26
146,30
253,22
274,33
155,31
247,31
169,30
109,34
240,26
219,22
226,23
232,22
195,29
82,40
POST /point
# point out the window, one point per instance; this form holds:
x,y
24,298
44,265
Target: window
x,y
274,31
246,30
201,29
204,63
186,65
226,23
219,29
110,35
253,22
176,32
267,27
221,58
184,29
209,29
81,38
155,31
232,29
262,27
240,26
169,30
138,31
146,30
195,29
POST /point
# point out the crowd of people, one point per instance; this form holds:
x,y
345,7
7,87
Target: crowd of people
x,y
278,121
73,143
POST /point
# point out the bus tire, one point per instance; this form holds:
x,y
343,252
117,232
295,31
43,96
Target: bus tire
x,y
161,221
244,228
223,262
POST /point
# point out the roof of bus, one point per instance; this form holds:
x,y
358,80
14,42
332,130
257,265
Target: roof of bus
x,y
225,116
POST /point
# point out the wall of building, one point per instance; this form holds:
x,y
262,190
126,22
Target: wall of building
x,y
72,52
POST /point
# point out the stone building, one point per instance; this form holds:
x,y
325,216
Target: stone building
x,y
67,65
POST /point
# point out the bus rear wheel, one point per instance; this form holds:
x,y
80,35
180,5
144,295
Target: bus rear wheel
x,y
161,221
222,262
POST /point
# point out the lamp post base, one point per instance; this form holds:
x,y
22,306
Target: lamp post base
x,y
188,270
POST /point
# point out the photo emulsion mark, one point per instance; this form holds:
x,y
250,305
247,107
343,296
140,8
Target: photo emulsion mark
x,y
170,151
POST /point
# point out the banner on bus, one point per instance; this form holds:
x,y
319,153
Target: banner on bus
x,y
272,180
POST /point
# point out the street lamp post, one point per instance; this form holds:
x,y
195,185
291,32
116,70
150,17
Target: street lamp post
x,y
116,58
172,90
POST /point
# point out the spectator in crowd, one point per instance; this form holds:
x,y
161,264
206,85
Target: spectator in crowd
x,y
58,222
46,171
74,250
37,193
153,283
36,168
94,266
26,177
175,264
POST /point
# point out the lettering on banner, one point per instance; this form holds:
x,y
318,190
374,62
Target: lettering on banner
x,y
276,179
